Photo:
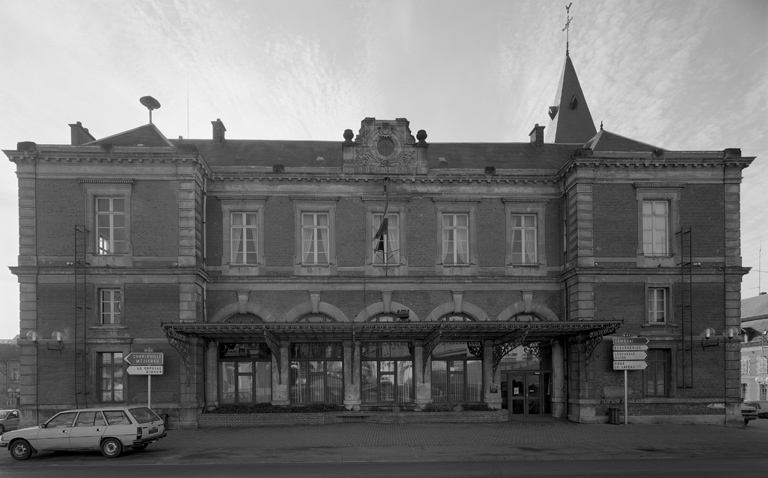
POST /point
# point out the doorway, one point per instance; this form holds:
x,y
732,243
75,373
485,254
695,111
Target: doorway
x,y
529,393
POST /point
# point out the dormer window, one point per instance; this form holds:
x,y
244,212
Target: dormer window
x,y
553,112
574,102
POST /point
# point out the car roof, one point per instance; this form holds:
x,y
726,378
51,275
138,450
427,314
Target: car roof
x,y
101,409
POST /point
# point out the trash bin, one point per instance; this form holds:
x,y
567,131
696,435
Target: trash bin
x,y
613,416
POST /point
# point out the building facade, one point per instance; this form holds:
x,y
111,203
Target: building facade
x,y
10,373
381,270
754,350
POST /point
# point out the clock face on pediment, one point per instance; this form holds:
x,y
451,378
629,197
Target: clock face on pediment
x,y
385,146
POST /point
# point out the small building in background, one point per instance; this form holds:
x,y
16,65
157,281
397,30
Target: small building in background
x,y
10,373
754,349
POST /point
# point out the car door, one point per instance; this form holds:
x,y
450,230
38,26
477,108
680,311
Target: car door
x,y
87,430
120,426
12,421
54,434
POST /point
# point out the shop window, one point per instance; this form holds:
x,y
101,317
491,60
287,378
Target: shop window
x,y
110,306
457,375
111,377
245,373
317,374
387,373
656,376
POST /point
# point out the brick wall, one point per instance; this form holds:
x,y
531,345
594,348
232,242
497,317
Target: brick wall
x,y
214,228
279,234
351,240
422,227
615,220
60,206
147,306
701,209
491,233
155,218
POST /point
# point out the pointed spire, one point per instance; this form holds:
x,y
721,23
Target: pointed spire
x,y
571,121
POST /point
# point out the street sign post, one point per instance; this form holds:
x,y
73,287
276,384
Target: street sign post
x,y
629,365
629,353
145,363
144,370
632,355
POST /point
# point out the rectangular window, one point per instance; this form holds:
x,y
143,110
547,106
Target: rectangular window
x,y
743,390
244,236
455,239
655,228
656,375
524,239
111,306
110,225
15,375
314,237
111,373
657,305
387,251
763,392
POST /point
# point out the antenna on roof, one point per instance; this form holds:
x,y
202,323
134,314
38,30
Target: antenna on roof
x,y
151,104
567,27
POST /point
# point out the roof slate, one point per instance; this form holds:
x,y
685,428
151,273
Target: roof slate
x,y
754,307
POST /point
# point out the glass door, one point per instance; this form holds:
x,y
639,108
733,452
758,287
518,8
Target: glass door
x,y
528,393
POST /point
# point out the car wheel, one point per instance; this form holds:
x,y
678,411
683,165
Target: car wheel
x,y
111,448
746,422
21,450
141,447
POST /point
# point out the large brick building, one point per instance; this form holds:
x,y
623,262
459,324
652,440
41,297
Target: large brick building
x,y
263,273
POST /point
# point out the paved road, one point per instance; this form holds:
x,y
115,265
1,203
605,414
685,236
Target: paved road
x,y
526,440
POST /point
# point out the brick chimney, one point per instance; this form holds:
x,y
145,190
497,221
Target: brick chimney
x,y
80,135
218,131
537,135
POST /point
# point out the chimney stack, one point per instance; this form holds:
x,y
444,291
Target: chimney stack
x,y
537,135
218,131
80,135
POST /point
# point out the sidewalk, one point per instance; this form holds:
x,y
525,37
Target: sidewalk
x,y
538,439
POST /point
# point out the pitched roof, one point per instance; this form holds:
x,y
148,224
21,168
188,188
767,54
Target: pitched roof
x,y
571,121
147,135
754,307
607,141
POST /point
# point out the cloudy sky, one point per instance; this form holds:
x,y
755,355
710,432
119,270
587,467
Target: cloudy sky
x,y
682,75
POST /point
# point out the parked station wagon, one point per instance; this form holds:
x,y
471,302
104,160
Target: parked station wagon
x,y
9,420
110,430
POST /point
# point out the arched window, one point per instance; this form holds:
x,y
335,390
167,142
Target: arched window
x,y
243,319
315,318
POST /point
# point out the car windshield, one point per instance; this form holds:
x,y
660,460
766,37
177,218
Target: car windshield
x,y
144,415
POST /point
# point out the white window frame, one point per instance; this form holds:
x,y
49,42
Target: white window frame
x,y
374,206
656,192
457,235
108,246
449,206
658,245
652,299
314,206
115,189
390,256
242,205
536,207
107,296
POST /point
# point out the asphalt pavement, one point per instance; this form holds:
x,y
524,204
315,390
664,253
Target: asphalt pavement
x,y
533,439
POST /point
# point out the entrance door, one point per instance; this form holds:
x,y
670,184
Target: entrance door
x,y
528,393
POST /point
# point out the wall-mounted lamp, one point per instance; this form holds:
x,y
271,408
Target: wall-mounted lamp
x,y
59,341
403,314
730,333
33,336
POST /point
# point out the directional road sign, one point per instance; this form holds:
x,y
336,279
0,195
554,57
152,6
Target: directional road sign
x,y
630,341
144,358
629,365
627,348
144,370
632,355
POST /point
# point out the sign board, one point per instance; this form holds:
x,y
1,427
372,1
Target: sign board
x,y
144,370
144,358
629,365
630,341
627,348
633,355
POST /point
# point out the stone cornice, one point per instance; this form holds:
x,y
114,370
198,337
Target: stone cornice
x,y
703,159
106,181
658,185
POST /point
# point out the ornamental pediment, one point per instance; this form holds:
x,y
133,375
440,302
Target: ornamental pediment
x,y
385,147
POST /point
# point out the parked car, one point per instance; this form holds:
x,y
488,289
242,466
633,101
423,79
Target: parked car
x,y
9,420
762,408
748,412
110,430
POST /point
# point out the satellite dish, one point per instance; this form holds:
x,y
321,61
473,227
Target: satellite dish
x,y
151,104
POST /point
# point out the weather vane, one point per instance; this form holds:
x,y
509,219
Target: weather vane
x,y
567,26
